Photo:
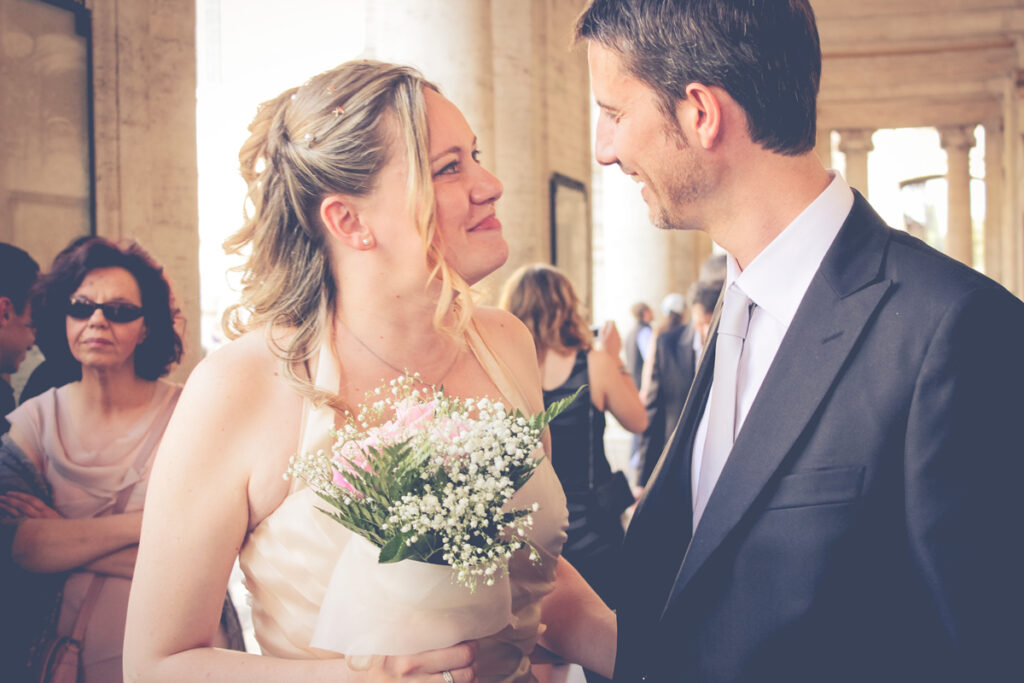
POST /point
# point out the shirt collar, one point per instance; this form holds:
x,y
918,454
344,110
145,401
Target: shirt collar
x,y
777,279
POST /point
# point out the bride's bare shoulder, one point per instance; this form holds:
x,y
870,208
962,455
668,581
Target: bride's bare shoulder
x,y
503,329
239,370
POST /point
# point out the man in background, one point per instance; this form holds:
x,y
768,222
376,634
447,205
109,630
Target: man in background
x,y
18,272
672,369
638,340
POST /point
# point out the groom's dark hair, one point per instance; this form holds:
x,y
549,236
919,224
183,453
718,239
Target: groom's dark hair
x,y
764,53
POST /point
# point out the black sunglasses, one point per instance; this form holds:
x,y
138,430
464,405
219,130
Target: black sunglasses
x,y
81,309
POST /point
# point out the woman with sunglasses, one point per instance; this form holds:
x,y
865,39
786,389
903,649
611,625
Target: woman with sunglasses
x,y
93,440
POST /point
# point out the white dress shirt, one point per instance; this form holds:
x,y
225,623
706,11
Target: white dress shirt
x,y
776,281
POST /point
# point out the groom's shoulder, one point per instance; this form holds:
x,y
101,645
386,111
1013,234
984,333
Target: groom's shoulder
x,y
931,280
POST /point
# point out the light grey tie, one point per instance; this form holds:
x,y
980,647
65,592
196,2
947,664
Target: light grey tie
x,y
732,330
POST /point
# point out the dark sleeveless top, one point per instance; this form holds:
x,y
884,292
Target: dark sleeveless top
x,y
577,435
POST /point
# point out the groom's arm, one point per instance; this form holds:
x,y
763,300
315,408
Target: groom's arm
x,y
963,468
580,627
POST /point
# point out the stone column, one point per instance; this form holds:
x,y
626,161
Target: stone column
x,y
855,143
635,261
450,41
521,137
957,141
994,199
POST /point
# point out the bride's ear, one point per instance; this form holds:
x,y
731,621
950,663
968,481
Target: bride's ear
x,y
341,219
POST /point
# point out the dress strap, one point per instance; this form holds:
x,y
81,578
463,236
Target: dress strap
x,y
318,420
496,369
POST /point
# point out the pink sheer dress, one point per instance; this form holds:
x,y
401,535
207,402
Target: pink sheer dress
x,y
85,484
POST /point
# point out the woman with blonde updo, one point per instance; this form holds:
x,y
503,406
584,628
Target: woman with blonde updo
x,y
370,217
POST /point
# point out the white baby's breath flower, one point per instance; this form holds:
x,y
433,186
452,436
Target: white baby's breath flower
x,y
460,459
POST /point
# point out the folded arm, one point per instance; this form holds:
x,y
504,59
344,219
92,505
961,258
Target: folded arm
x,y
45,542
118,563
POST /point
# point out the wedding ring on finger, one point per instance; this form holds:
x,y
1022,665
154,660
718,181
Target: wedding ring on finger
x,y
359,662
447,676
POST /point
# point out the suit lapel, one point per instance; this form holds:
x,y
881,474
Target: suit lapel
x,y
837,307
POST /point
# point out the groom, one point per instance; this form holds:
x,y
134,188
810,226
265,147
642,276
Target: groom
x,y
842,497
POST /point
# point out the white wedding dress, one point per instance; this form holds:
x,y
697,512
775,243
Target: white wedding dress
x,y
288,559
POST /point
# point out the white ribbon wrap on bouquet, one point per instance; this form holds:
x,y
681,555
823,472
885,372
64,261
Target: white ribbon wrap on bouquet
x,y
403,607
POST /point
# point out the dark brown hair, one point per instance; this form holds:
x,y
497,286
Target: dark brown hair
x,y
765,53
161,348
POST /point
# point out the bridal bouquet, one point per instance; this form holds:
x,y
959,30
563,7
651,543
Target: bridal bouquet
x,y
423,480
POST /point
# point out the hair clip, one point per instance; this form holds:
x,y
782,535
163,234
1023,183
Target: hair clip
x,y
338,111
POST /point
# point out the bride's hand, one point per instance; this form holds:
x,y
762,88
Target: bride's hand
x,y
430,667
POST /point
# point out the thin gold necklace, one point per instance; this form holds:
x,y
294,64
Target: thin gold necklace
x,y
418,376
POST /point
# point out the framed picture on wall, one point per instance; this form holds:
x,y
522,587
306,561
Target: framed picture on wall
x,y
570,233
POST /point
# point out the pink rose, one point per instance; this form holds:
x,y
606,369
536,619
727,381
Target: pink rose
x,y
417,416
353,456
342,482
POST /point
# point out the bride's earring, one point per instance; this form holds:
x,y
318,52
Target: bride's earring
x,y
367,241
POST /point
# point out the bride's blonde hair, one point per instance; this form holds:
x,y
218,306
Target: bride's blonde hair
x,y
333,134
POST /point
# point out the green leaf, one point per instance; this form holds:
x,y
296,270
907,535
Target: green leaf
x,y
394,550
558,407
523,477
369,532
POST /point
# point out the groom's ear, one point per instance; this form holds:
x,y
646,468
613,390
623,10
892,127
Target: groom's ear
x,y
341,220
700,115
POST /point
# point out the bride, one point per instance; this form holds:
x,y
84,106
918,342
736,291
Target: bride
x,y
369,218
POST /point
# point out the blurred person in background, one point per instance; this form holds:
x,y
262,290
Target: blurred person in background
x,y
18,272
637,343
669,374
703,299
673,310
544,299
637,350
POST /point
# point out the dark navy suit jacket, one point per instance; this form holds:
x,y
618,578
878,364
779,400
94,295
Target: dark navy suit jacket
x,y
867,525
